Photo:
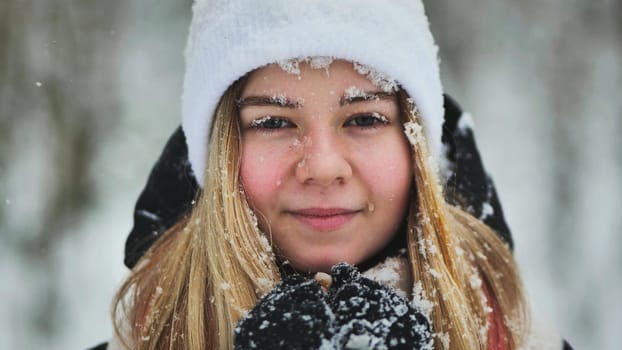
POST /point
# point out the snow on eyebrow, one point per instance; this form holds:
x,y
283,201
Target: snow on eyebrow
x,y
355,94
279,100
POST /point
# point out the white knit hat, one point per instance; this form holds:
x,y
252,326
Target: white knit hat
x,y
229,38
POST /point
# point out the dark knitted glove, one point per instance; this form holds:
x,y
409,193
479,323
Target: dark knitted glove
x,y
371,316
294,315
355,313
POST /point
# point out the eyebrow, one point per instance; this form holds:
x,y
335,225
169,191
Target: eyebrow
x,y
282,101
365,96
279,101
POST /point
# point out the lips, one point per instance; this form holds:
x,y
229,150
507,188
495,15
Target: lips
x,y
324,219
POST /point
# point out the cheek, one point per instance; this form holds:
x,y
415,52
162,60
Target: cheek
x,y
388,171
261,174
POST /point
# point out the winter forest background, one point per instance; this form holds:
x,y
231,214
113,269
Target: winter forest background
x,y
89,92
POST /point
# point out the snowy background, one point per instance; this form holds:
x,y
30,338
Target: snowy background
x,y
89,92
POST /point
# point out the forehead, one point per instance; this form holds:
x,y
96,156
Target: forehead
x,y
334,79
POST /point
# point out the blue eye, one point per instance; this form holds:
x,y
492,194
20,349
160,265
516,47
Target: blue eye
x,y
367,120
270,123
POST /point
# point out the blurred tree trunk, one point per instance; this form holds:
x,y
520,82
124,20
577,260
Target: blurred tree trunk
x,y
58,69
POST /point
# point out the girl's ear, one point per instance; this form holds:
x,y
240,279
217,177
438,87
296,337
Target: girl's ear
x,y
171,187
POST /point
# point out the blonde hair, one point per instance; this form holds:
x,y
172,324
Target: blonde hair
x,y
202,275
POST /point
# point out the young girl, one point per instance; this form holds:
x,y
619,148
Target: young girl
x,y
314,131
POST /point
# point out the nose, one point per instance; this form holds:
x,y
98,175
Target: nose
x,y
324,160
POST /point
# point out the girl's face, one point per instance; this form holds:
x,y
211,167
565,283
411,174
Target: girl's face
x,y
325,164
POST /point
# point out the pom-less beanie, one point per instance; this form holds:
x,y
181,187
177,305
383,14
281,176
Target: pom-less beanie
x,y
229,38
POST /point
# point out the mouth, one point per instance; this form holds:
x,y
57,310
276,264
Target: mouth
x,y
324,219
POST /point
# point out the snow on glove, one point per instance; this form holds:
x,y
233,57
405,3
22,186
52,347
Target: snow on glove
x,y
369,315
294,315
355,313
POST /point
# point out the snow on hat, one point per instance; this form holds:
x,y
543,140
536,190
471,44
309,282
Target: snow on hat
x,y
229,38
